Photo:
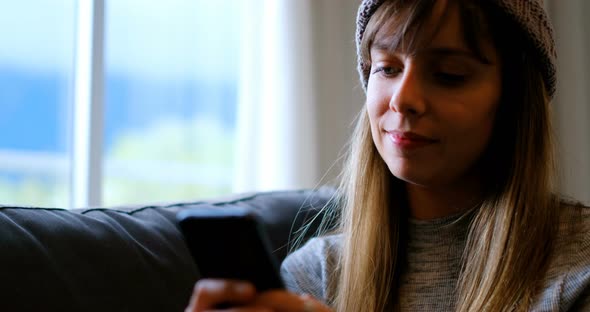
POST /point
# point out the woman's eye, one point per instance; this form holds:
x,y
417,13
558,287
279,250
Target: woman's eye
x,y
387,71
450,79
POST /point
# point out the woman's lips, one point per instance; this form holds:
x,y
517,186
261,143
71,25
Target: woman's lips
x,y
409,140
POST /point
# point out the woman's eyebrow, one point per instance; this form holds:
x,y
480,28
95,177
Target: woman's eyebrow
x,y
381,45
385,45
445,52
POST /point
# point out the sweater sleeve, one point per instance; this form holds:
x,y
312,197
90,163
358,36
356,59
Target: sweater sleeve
x,y
310,269
567,282
576,288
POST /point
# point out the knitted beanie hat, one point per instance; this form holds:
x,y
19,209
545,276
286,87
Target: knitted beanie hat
x,y
528,14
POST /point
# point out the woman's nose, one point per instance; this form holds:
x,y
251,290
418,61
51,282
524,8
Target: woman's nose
x,y
408,96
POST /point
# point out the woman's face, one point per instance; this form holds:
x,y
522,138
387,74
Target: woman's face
x,y
432,112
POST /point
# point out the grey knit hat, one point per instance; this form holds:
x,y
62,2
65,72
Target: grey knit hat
x,y
529,14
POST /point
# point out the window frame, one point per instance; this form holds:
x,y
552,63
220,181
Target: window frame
x,y
88,106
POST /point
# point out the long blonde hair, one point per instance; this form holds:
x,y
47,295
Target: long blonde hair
x,y
501,264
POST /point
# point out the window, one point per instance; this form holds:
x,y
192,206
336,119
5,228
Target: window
x,y
168,100
171,81
35,95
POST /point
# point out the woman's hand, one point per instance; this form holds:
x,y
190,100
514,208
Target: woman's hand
x,y
238,296
284,301
210,294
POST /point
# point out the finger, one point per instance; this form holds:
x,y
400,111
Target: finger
x,y
208,293
311,304
288,302
244,309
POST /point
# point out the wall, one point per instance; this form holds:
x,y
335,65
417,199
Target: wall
x,y
338,94
571,104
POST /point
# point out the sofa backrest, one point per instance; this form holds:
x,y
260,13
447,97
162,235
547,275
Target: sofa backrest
x,y
124,259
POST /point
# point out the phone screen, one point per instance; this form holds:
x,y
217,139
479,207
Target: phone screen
x,y
230,243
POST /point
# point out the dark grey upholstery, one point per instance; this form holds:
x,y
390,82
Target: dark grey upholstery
x,y
124,259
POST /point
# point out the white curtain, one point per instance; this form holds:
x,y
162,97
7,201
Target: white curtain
x,y
298,92
572,101
276,117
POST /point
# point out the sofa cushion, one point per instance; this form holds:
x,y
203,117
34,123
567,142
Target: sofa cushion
x,y
124,259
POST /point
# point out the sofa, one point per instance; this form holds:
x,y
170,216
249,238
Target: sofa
x,y
129,258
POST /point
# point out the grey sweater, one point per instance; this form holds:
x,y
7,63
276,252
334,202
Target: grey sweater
x,y
434,255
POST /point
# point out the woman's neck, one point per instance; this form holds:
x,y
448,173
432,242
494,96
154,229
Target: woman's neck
x,y
427,203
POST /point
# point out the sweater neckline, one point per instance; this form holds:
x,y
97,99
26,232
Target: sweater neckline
x,y
455,225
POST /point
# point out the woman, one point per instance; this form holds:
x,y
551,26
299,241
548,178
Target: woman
x,y
447,198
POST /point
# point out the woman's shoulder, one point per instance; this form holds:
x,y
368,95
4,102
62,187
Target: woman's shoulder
x,y
572,245
310,269
573,232
567,281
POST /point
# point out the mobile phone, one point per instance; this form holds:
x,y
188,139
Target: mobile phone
x,y
230,243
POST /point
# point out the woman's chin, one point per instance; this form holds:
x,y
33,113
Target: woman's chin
x,y
412,178
417,176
